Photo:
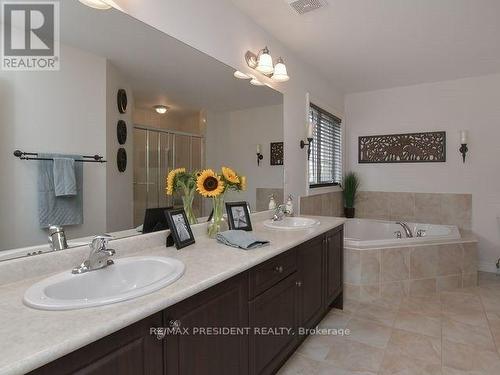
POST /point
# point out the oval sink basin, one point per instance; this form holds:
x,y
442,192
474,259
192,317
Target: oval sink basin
x,y
290,223
126,279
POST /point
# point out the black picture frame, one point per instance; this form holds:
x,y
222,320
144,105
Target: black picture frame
x,y
179,228
240,222
276,153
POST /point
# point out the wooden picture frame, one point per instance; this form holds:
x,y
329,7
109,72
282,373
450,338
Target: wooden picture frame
x,y
180,228
238,216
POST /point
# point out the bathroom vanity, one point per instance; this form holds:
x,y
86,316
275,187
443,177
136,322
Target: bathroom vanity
x,y
296,285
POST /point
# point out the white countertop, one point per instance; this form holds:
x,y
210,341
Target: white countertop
x,y
30,338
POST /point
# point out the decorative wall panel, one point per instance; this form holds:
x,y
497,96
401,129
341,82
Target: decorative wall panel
x,y
427,147
277,153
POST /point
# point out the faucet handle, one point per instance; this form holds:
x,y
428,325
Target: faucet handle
x,y
99,242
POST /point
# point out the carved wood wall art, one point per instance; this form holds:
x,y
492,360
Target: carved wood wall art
x,y
429,147
277,153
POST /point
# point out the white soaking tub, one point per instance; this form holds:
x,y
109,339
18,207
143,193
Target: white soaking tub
x,y
367,233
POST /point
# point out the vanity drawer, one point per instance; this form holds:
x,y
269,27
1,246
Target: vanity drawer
x,y
268,274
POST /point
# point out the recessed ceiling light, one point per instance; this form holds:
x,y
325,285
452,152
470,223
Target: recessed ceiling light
x,y
96,4
241,75
161,109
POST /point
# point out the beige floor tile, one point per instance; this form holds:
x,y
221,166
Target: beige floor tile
x,y
418,323
487,278
350,306
376,313
335,319
395,364
351,355
453,301
329,369
476,336
428,306
464,359
316,347
299,365
471,317
369,333
422,347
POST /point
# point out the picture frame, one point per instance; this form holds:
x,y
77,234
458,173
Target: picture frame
x,y
179,228
238,216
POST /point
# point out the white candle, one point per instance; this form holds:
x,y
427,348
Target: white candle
x,y
310,129
463,137
259,149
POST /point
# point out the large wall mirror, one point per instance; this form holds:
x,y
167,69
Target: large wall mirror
x,y
213,119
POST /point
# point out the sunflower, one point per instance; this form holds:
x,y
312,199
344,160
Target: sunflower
x,y
243,183
209,184
171,179
230,175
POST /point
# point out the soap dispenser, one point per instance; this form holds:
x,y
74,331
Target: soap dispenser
x,y
272,202
289,205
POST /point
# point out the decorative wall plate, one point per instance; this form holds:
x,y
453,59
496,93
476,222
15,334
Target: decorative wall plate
x,y
276,153
121,159
429,147
121,99
121,132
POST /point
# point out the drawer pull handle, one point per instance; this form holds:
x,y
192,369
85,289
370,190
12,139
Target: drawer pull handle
x,y
175,324
279,269
299,284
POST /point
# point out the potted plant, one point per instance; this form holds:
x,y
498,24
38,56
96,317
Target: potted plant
x,y
350,186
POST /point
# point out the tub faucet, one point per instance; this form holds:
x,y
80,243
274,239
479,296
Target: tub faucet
x,y
406,228
98,257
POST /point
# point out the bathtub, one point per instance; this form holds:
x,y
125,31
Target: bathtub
x,y
367,233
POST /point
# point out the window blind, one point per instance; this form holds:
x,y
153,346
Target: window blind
x,y
325,163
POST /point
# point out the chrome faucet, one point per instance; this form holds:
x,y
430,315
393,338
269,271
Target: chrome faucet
x,y
406,228
280,212
98,257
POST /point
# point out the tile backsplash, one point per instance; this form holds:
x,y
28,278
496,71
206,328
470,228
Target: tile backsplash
x,y
430,208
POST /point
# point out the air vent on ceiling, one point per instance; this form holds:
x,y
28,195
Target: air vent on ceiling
x,y
304,6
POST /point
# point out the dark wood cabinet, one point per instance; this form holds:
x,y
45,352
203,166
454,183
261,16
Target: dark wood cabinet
x,y
334,266
247,325
274,320
130,351
196,352
310,257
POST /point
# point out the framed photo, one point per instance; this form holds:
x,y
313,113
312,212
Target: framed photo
x,y
180,228
238,216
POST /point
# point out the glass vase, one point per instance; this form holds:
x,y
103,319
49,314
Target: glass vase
x,y
217,224
187,202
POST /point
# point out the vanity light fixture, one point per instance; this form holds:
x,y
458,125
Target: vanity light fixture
x,y
263,63
96,4
463,141
259,154
310,134
241,75
161,109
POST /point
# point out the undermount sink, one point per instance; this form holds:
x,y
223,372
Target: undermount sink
x,y
127,278
290,223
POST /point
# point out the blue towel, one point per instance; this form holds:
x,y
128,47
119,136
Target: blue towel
x,y
241,239
64,177
62,210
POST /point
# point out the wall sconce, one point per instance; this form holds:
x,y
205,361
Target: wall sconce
x,y
463,141
263,63
259,154
310,135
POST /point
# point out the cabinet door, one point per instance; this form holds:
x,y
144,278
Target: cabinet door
x,y
194,352
310,260
271,311
131,350
334,264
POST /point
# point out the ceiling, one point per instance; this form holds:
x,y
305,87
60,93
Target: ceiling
x,y
159,68
362,45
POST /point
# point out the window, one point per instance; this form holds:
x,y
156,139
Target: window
x,y
325,163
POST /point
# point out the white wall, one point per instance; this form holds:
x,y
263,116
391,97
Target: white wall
x,y
472,104
119,185
52,112
222,31
231,140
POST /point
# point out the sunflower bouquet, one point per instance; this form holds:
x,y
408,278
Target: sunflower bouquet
x,y
215,185
180,181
